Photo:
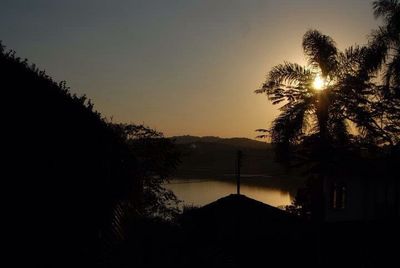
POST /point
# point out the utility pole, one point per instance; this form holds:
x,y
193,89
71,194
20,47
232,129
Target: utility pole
x,y
239,164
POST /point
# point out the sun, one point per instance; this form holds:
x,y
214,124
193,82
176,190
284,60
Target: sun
x,y
319,83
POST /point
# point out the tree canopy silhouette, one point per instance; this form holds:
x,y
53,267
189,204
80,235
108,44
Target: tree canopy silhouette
x,y
309,112
382,60
351,127
70,170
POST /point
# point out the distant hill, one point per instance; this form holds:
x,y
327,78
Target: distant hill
x,y
216,157
237,142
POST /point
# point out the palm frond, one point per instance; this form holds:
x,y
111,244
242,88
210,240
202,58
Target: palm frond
x,y
288,127
350,62
289,73
392,74
321,51
377,50
384,8
338,128
287,81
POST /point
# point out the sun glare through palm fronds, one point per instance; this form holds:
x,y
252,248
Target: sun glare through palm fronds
x,y
319,83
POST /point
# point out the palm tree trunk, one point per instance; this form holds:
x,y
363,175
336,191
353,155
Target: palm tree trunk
x,y
322,117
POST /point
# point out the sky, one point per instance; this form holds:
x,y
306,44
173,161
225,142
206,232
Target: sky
x,y
181,67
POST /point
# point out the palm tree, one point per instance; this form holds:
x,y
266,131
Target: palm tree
x,y
318,98
385,43
384,58
381,59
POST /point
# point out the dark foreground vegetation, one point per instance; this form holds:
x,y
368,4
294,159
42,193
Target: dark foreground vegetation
x,y
72,176
87,192
236,231
84,191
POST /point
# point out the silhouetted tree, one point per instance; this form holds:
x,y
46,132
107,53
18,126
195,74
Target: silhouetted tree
x,y
69,170
321,115
385,42
382,59
316,123
156,159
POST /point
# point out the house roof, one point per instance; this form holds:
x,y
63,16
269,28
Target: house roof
x,y
241,205
238,215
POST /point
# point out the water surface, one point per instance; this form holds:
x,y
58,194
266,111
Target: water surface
x,y
200,192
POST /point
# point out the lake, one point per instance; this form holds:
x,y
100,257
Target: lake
x,y
199,192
